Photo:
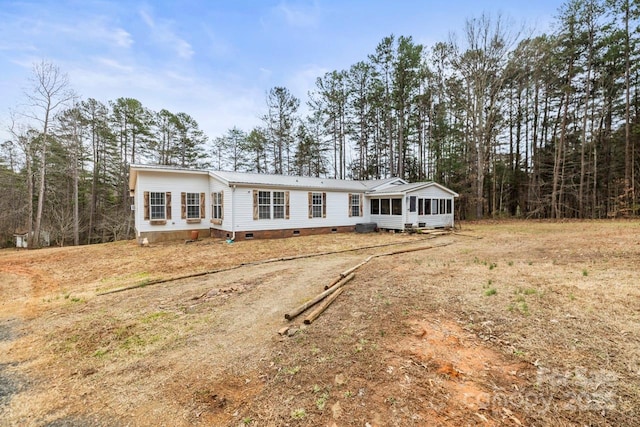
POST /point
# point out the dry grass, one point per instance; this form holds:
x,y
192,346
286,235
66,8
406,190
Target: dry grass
x,y
515,322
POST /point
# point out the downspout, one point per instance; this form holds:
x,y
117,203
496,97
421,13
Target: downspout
x,y
233,216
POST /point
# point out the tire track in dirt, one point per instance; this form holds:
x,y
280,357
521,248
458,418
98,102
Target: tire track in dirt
x,y
208,366
15,296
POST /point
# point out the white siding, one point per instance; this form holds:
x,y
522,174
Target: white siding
x,y
390,222
176,183
216,186
238,204
337,211
439,220
397,222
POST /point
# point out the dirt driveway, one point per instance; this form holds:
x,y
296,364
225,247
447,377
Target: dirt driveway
x,y
502,324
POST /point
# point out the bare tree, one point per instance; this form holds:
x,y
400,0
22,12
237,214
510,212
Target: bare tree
x,y
24,139
50,90
481,66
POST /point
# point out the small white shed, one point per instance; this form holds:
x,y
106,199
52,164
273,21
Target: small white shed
x,y
22,239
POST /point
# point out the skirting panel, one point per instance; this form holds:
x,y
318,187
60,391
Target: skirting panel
x,y
167,236
279,234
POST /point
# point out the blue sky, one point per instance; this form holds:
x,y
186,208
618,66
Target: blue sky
x,y
215,60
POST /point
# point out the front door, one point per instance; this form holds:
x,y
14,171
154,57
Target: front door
x,y
412,210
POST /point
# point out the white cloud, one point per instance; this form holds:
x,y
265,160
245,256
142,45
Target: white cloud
x,y
181,77
183,49
300,15
216,45
121,38
18,46
162,33
113,64
264,76
216,107
304,80
147,19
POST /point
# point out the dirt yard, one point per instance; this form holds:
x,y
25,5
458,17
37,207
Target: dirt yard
x,y
506,323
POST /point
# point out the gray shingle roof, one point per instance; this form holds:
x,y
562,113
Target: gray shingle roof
x,y
290,181
390,185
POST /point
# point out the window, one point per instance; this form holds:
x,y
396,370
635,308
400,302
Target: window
x,y
449,206
434,206
316,205
442,206
193,205
412,204
420,206
278,205
270,204
157,205
264,205
216,205
396,206
427,206
375,207
385,207
355,205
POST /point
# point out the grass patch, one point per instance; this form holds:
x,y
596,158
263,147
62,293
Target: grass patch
x,y
321,401
100,353
293,371
140,278
152,317
298,414
491,291
520,306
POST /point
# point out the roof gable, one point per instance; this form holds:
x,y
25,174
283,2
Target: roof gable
x,y
402,189
376,184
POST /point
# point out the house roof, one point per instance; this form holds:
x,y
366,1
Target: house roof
x,y
289,181
133,171
401,189
378,187
292,181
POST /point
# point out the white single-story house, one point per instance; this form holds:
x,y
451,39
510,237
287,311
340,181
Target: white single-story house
x,y
170,203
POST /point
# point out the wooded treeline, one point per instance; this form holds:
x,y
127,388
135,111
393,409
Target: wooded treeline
x,y
542,127
534,126
82,195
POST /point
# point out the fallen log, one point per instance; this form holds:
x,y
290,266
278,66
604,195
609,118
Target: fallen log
x,y
354,268
319,298
404,251
333,282
322,307
244,264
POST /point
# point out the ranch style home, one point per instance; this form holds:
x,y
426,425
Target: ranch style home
x,y
169,203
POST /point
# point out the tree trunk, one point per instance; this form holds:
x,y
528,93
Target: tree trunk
x,y
558,166
41,185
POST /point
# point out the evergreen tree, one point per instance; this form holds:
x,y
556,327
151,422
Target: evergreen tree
x,y
280,122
